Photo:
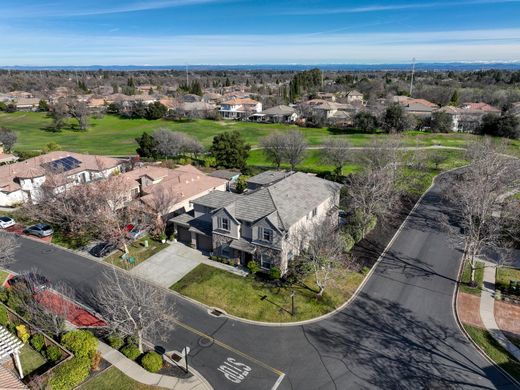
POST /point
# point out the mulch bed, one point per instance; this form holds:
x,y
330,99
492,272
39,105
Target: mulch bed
x,y
367,251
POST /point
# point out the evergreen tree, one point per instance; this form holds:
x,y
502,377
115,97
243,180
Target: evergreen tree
x,y
147,146
230,150
454,101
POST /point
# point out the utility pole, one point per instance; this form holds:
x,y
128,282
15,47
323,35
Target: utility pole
x,y
413,73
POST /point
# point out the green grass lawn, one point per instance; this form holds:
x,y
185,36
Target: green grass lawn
x,y
504,275
466,277
112,135
113,379
494,350
3,276
242,296
138,251
31,359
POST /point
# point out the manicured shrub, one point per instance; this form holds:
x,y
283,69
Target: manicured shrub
x,y
3,294
70,374
131,351
22,333
52,353
115,341
11,327
81,343
349,241
152,361
275,273
4,317
253,267
37,341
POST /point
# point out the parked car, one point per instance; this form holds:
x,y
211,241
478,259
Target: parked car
x,y
40,230
135,232
102,249
343,218
33,281
6,222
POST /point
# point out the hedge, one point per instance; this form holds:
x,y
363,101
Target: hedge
x,y
52,353
4,317
70,374
37,341
80,342
152,361
131,351
115,341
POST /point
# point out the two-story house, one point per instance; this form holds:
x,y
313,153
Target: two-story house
x,y
259,224
239,108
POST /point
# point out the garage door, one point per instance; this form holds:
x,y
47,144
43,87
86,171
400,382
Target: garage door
x,y
184,235
204,243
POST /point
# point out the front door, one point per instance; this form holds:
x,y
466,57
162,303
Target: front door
x,y
246,258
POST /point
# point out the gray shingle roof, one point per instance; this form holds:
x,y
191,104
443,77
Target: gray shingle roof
x,y
268,177
279,110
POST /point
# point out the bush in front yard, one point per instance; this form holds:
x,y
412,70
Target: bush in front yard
x,y
275,273
253,267
81,343
4,317
70,374
52,353
37,341
3,294
115,341
131,351
152,361
22,333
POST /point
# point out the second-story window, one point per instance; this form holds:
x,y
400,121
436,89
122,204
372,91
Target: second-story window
x,y
223,224
267,235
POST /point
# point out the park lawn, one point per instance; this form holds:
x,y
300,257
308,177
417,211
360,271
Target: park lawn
x,y
242,296
111,135
137,250
113,379
504,275
466,277
494,350
31,359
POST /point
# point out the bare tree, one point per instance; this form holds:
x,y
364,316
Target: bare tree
x,y
273,147
59,112
337,153
80,112
295,147
167,141
134,306
477,193
7,138
322,250
8,245
160,202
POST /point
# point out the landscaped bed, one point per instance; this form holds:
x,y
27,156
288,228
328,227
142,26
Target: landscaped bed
x,y
136,250
255,299
504,276
466,277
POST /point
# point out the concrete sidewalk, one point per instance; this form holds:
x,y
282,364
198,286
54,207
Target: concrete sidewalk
x,y
139,374
487,311
172,263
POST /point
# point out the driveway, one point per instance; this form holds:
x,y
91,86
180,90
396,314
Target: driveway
x,y
169,265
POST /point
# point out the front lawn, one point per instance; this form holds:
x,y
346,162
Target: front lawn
x,y
466,277
138,251
3,276
31,359
494,350
504,275
113,379
254,299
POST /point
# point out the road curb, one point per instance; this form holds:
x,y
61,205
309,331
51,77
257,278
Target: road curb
x,y
455,311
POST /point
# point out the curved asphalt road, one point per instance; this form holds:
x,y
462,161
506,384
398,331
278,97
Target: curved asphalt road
x,y
399,333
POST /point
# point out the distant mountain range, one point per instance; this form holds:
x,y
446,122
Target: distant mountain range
x,y
433,66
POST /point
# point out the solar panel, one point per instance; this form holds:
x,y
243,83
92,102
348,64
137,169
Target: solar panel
x,y
63,164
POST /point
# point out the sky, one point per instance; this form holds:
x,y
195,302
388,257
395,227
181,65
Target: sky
x,y
225,32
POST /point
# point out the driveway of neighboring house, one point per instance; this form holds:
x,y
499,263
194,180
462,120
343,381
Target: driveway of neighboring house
x,y
169,265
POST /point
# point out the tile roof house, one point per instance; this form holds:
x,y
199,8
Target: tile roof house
x,y
481,107
21,181
257,225
468,117
239,108
181,185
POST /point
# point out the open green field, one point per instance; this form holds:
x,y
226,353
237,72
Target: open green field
x,y
112,135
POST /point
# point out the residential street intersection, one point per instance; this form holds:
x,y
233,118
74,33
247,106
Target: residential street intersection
x,y
399,333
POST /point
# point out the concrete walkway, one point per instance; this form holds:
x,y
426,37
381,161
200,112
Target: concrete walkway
x,y
174,262
487,311
139,374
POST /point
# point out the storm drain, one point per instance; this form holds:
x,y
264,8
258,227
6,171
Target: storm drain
x,y
205,342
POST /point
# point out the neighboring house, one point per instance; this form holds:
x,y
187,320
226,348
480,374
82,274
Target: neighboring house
x,y
355,97
171,190
229,175
421,108
335,114
265,179
483,108
454,113
239,108
196,109
21,181
257,225
468,117
27,104
277,114
211,97
326,96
